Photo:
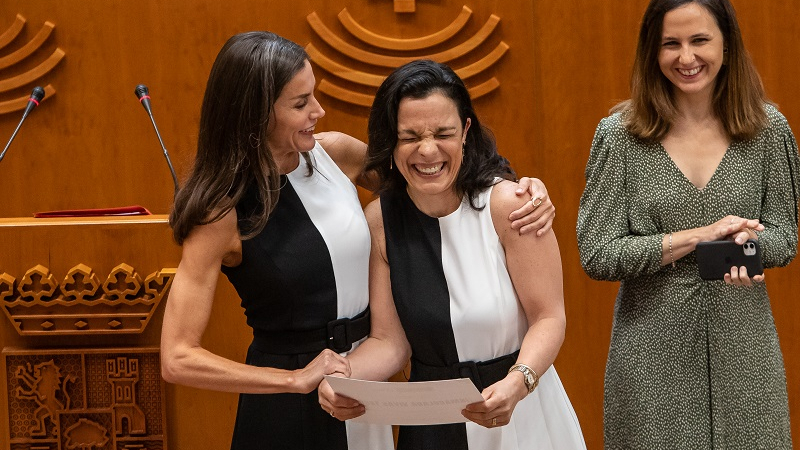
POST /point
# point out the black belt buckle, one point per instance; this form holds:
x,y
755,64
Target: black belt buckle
x,y
468,369
337,335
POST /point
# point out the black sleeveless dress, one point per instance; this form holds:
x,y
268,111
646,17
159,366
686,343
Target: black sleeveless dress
x,y
299,281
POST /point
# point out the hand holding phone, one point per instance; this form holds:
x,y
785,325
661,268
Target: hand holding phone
x,y
715,258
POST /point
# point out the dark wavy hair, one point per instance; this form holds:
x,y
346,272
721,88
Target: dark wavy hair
x,y
419,79
738,97
233,156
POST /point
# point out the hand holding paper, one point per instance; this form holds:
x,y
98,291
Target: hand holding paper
x,y
418,403
338,406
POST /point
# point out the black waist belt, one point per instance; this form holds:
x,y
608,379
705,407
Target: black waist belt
x,y
482,373
339,335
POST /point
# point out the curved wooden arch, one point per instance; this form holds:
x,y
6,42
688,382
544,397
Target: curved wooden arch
x,y
343,72
12,31
394,61
390,43
357,98
31,75
368,79
484,88
28,48
484,63
345,95
19,103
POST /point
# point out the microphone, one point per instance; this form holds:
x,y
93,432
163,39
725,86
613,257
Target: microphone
x,y
36,96
143,94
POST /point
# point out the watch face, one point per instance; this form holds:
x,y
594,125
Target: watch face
x,y
528,381
527,377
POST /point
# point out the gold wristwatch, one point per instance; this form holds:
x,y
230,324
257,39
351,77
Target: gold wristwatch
x,y
530,377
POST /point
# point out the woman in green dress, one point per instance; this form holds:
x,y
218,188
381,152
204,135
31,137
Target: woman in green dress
x,y
696,154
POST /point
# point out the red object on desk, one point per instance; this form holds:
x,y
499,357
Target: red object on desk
x,y
134,210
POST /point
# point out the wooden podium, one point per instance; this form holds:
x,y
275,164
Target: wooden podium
x,y
82,309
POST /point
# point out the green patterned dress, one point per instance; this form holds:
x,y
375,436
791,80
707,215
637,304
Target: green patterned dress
x,y
693,364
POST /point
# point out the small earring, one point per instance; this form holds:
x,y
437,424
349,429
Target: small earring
x,y
390,163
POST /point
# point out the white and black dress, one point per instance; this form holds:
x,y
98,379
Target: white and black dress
x,y
300,280
462,317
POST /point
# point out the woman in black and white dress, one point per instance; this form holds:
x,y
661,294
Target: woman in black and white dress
x,y
450,282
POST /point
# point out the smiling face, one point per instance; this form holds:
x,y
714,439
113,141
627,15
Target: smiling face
x,y
691,52
294,115
429,150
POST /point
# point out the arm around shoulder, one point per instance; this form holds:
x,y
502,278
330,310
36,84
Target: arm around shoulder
x,y
347,152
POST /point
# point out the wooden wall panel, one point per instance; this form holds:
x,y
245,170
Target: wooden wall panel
x,y
91,145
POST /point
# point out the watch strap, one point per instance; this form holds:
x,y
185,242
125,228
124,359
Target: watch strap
x,y
531,378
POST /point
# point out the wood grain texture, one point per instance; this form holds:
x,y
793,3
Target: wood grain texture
x,y
568,62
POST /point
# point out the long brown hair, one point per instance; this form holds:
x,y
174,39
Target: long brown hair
x,y
233,156
738,97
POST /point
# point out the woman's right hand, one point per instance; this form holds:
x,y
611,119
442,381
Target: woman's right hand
x,y
499,402
338,406
326,363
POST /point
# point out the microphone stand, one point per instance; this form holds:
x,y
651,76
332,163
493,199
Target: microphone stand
x,y
143,94
36,96
2,155
166,155
16,130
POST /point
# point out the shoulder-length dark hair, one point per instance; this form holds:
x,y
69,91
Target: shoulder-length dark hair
x,y
419,79
738,97
233,156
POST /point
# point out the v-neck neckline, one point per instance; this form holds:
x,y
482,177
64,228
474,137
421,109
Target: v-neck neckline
x,y
713,174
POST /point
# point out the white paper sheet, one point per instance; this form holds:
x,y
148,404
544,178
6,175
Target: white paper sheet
x,y
419,403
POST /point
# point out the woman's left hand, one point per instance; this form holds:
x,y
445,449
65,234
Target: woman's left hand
x,y
338,406
738,277
537,214
499,401
745,230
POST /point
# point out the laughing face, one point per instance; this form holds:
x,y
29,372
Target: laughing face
x,y
692,50
294,116
429,150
